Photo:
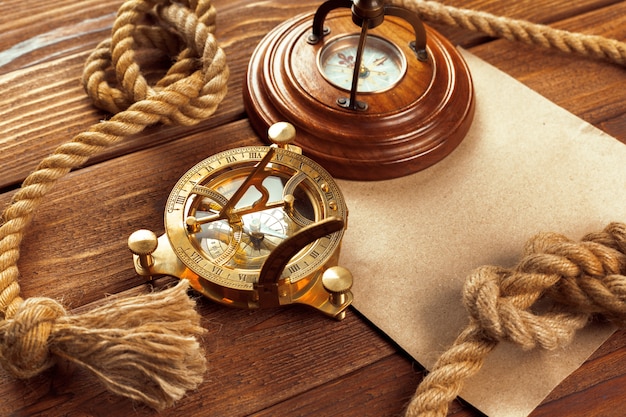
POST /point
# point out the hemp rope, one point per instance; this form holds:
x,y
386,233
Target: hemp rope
x,y
580,280
143,347
591,46
146,347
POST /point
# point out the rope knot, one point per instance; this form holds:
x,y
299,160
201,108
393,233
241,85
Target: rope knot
x,y
178,32
24,345
502,304
143,347
575,279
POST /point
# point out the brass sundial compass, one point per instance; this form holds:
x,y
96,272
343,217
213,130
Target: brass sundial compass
x,y
373,92
254,227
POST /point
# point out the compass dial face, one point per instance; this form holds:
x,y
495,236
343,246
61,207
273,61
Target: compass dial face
x,y
382,65
229,250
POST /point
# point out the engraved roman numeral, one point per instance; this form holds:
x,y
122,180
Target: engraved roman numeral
x,y
196,257
255,155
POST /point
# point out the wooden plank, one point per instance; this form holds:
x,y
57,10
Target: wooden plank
x,y
30,30
256,359
385,395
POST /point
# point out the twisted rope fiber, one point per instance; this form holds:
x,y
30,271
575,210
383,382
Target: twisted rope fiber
x,y
591,46
157,360
579,279
144,347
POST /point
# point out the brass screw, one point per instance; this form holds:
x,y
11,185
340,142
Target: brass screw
x,y
143,243
289,201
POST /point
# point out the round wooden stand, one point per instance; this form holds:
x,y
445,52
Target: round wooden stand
x,y
403,130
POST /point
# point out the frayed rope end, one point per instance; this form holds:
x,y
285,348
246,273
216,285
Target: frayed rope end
x,y
145,347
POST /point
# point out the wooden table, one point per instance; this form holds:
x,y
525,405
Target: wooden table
x,y
263,363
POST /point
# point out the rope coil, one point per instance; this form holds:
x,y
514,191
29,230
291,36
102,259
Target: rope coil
x,y
146,347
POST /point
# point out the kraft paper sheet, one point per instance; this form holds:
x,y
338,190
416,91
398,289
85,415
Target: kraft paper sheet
x,y
526,166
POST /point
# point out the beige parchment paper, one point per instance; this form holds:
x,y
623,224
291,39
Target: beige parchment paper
x,y
526,166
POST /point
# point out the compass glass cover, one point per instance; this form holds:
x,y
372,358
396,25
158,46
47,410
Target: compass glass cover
x,y
382,65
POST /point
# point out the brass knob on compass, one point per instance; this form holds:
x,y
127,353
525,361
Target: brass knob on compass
x,y
337,280
143,243
281,134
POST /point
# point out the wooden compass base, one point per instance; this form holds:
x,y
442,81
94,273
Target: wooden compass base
x,y
403,130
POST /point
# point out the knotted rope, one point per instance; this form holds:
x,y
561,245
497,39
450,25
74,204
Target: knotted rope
x,y
580,280
145,347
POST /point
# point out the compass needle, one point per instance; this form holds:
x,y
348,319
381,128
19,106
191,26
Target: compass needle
x,y
380,61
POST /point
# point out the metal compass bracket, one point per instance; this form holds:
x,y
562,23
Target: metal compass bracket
x,y
366,14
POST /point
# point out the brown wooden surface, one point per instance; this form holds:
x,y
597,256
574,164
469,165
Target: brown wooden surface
x,y
265,363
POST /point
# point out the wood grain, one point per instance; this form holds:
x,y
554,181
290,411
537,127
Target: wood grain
x,y
263,363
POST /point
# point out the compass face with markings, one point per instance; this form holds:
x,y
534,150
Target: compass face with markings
x,y
254,227
229,250
382,67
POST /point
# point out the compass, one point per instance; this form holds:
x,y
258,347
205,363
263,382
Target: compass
x,y
374,93
382,66
254,227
